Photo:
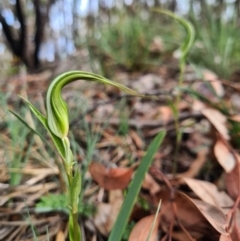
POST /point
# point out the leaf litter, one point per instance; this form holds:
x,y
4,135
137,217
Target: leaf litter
x,y
200,201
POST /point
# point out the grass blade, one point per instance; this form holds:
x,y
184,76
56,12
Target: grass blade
x,y
57,141
155,220
27,125
134,189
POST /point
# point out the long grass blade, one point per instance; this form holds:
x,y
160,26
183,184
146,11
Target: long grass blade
x,y
134,189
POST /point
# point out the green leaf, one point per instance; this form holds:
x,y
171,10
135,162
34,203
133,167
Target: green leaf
x,y
189,40
134,189
57,112
75,189
52,202
58,142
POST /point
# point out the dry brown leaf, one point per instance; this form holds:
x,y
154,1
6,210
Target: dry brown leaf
x,y
208,192
218,120
235,118
217,86
137,140
214,81
198,105
60,236
142,229
234,101
94,238
209,75
150,184
225,238
104,110
22,190
101,219
196,165
235,233
107,212
194,215
232,182
224,156
213,214
147,82
166,114
187,213
110,178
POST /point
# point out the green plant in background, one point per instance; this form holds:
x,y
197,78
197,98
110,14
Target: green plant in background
x,y
183,54
53,202
19,145
59,202
57,124
13,141
217,33
123,128
124,43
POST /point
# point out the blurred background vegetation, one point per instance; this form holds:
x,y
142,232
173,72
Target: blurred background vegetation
x,y
115,35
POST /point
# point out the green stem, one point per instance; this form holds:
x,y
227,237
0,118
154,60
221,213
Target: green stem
x,y
182,66
185,49
74,230
74,189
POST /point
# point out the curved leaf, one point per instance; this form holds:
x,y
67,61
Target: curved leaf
x,y
189,40
57,112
